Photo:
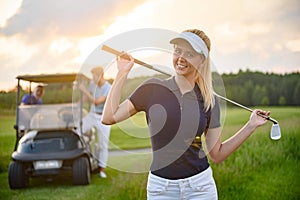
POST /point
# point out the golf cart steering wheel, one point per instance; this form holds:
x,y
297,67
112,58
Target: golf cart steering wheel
x,y
66,114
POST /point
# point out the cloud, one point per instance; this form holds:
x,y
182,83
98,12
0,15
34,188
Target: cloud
x,y
45,36
36,20
258,35
293,45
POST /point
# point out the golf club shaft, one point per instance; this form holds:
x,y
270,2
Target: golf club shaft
x,y
246,108
118,53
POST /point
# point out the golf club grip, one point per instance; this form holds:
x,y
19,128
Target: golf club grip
x,y
268,118
118,53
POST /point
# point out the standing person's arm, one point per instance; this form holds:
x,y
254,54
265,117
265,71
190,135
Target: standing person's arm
x,y
218,150
90,97
114,111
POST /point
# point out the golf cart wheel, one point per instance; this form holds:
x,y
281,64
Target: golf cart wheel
x,y
81,171
16,176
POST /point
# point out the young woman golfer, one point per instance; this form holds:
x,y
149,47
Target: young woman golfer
x,y
178,111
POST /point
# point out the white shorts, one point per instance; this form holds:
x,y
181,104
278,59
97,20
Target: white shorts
x,y
200,186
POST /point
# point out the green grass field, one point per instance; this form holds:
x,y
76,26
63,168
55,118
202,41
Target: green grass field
x,y
259,169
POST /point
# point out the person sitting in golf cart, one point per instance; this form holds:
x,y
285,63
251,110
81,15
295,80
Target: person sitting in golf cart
x,y
26,111
35,98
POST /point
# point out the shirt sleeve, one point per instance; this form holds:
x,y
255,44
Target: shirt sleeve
x,y
141,97
107,89
25,99
215,115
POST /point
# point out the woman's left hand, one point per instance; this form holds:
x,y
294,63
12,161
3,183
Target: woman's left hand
x,y
258,117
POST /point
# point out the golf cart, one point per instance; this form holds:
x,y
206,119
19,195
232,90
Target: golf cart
x,y
49,140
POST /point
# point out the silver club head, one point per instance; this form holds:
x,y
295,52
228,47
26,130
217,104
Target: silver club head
x,y
275,132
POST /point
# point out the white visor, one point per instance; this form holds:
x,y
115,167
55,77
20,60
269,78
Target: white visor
x,y
194,40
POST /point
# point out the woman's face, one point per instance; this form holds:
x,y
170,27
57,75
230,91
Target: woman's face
x,y
186,61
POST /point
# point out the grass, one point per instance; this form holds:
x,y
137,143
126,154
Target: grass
x,y
259,169
130,134
7,140
262,167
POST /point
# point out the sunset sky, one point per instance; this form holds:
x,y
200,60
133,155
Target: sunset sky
x,y
57,36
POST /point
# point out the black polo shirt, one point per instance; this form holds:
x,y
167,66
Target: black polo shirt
x,y
174,121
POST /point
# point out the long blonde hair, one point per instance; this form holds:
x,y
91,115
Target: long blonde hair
x,y
204,77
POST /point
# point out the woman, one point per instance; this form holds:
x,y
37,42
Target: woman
x,y
178,111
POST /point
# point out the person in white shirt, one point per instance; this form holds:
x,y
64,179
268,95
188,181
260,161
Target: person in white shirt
x,y
96,94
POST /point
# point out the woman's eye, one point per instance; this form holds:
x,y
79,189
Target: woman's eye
x,y
189,55
179,52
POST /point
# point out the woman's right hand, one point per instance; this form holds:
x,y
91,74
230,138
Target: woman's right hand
x,y
125,62
114,111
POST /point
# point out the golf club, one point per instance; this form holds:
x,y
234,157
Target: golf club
x,y
275,130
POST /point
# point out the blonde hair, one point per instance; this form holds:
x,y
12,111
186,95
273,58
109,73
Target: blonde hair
x,y
204,76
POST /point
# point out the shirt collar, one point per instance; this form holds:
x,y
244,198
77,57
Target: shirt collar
x,y
195,93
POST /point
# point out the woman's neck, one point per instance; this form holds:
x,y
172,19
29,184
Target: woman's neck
x,y
185,85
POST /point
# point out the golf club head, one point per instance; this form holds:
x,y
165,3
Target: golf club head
x,y
275,132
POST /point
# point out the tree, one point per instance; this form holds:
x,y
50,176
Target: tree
x,y
249,89
259,94
296,96
265,101
282,101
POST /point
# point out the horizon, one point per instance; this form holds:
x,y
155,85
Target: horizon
x,y
25,87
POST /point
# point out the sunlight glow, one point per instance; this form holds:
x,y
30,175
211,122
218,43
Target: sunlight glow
x,y
16,47
86,46
61,45
293,45
129,22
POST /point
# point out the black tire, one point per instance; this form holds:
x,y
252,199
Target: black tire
x,y
81,171
17,178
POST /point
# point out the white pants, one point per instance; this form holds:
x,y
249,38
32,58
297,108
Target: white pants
x,y
200,186
94,120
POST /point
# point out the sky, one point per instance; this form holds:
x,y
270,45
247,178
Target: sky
x,y
58,36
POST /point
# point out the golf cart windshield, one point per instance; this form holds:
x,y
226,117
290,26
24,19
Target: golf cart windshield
x,y
48,116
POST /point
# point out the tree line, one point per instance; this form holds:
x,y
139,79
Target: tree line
x,y
54,93
246,87
257,88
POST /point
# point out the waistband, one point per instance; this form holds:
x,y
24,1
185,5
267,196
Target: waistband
x,y
204,174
